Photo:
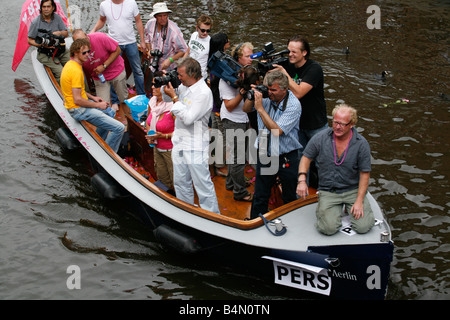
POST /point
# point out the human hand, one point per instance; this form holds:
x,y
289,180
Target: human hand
x,y
357,210
302,190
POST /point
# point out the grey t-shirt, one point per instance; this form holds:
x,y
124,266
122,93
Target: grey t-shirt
x,y
56,24
344,177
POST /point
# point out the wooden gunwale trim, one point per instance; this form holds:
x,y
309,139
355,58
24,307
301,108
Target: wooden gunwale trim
x,y
235,223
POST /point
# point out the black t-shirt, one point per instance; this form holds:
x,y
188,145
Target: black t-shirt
x,y
314,109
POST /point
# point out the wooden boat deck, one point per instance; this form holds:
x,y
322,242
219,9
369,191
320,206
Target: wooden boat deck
x,y
229,207
233,213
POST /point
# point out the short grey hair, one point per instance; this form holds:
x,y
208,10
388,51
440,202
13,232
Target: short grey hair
x,y
277,76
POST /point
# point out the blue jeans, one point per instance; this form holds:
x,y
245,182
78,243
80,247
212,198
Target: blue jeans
x,y
108,128
132,52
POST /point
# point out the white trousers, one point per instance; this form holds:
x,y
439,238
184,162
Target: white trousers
x,y
191,170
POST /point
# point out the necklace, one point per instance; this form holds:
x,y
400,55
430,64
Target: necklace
x,y
112,12
345,152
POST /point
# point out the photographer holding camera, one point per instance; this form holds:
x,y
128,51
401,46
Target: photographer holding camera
x,y
47,32
236,120
164,35
278,120
190,154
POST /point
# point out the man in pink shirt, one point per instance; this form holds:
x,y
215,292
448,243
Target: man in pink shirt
x,y
104,59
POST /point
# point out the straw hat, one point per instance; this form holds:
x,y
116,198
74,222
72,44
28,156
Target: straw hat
x,y
159,7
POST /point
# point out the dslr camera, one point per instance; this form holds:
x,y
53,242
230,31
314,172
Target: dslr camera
x,y
269,57
169,77
50,40
261,88
156,54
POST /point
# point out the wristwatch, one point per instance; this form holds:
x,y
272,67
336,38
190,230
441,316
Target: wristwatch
x,y
104,66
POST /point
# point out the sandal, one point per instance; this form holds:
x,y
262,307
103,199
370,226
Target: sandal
x,y
250,198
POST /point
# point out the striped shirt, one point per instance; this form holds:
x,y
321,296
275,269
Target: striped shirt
x,y
169,41
288,120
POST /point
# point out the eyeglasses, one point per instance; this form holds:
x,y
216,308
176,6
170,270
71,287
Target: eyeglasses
x,y
85,52
204,30
340,124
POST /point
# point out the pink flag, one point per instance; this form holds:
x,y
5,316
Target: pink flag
x,y
30,10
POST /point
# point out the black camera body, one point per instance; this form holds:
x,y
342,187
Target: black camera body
x,y
225,67
169,77
261,88
156,54
270,57
51,40
265,67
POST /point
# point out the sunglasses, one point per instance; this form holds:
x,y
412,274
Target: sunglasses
x,y
204,30
85,52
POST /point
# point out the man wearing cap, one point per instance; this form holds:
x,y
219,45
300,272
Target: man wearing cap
x,y
164,35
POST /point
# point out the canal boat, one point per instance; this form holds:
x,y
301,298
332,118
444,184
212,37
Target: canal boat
x,y
283,244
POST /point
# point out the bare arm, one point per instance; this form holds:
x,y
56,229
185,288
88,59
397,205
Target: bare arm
x,y
100,24
113,56
299,90
302,187
82,102
140,29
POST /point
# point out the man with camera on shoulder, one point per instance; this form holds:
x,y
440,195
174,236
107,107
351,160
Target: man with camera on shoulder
x,y
47,32
279,113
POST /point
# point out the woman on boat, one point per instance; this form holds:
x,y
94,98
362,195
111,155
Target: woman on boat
x,y
234,118
219,42
162,122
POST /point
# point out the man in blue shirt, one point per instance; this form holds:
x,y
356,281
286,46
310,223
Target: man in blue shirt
x,y
343,159
278,124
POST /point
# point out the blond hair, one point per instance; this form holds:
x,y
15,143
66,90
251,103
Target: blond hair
x,y
349,109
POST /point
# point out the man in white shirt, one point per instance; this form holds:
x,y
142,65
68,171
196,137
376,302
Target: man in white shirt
x,y
198,47
192,108
120,15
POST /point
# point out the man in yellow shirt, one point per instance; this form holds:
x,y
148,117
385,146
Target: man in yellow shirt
x,y
84,106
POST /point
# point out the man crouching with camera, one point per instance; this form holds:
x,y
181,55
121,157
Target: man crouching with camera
x,y
278,126
47,32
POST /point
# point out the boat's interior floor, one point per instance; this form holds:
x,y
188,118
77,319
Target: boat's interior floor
x,y
141,159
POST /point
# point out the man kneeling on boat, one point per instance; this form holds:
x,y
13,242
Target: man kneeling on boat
x,y
84,106
343,161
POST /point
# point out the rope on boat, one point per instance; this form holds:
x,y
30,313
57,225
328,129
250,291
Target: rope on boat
x,y
277,232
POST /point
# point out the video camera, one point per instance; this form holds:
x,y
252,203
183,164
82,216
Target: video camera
x,y
225,67
156,54
171,76
261,88
51,40
269,58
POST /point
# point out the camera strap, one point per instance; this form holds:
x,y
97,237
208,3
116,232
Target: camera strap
x,y
163,35
283,107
